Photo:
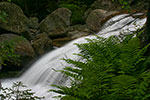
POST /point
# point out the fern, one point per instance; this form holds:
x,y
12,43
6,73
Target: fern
x,y
110,69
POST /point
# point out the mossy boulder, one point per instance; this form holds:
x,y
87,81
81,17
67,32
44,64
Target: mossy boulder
x,y
22,46
56,23
12,18
41,43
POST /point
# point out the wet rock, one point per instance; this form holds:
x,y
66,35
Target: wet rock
x,y
41,43
78,31
61,41
96,18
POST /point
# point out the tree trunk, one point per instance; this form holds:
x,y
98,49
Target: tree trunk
x,y
147,28
145,36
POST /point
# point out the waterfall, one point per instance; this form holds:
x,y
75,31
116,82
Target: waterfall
x,y
42,73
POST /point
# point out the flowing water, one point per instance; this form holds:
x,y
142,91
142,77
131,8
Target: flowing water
x,y
42,73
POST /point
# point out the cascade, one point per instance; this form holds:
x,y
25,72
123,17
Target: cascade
x,y
41,74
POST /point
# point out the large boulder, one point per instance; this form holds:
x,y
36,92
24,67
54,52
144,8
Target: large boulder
x,y
14,19
41,43
22,46
97,17
56,23
103,4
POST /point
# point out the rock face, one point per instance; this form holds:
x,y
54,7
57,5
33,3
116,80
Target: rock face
x,y
14,19
95,18
22,46
41,43
56,23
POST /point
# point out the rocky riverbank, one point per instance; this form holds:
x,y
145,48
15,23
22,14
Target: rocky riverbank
x,y
36,38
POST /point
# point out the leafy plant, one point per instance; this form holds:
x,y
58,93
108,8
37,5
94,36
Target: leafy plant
x,y
125,3
77,7
3,16
18,92
9,0
7,52
110,69
37,8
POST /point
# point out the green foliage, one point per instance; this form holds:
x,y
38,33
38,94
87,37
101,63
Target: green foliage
x,y
77,7
3,16
18,92
8,74
9,0
125,3
110,69
37,8
7,52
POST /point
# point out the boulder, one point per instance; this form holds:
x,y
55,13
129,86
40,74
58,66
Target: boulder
x,y
56,23
41,43
22,46
33,29
78,31
97,17
73,32
103,4
13,18
34,22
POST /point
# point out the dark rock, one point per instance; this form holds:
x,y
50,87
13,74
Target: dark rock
x,y
41,43
61,41
34,23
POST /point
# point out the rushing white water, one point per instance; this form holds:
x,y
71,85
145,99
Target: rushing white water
x,y
41,74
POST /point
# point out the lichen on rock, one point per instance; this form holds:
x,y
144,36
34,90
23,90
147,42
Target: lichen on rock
x,y
56,23
15,20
